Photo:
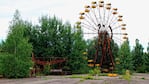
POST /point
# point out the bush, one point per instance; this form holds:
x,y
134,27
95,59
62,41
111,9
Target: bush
x,y
127,75
142,69
95,71
122,72
46,70
1,57
13,67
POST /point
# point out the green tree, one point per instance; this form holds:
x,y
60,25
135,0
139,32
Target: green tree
x,y
53,38
138,56
47,38
19,48
77,61
91,48
147,58
125,58
114,48
0,47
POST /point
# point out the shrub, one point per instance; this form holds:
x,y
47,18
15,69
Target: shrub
x,y
1,57
13,67
95,71
127,75
142,69
46,70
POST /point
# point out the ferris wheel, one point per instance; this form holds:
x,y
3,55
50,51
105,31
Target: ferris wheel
x,y
102,21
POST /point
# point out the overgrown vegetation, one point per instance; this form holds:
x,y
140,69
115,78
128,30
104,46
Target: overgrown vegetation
x,y
16,57
50,38
127,76
126,61
53,38
140,58
95,72
47,69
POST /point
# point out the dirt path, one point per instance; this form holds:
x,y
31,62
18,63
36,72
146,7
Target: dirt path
x,y
136,79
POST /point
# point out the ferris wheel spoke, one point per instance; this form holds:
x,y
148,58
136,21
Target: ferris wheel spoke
x,y
117,39
89,25
89,16
120,33
108,18
88,19
89,22
113,20
95,15
116,27
114,24
99,12
90,33
89,28
99,15
104,16
104,13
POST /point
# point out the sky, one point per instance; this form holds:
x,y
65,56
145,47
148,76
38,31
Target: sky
x,y
135,12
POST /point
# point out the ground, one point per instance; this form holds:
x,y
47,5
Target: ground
x,y
137,78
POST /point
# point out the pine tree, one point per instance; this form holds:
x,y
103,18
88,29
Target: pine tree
x,y
125,57
19,49
78,61
138,55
